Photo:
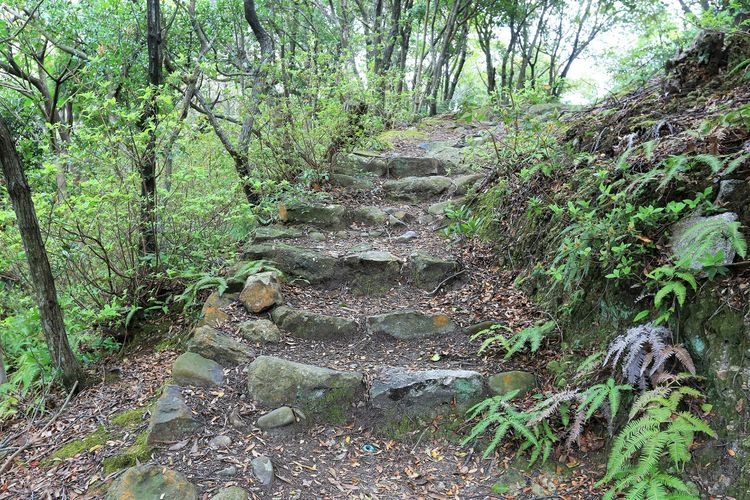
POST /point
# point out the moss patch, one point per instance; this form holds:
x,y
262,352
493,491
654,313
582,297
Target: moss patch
x,y
87,443
390,137
139,451
128,418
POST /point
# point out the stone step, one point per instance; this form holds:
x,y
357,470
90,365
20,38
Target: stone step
x,y
308,325
332,216
395,167
416,189
369,272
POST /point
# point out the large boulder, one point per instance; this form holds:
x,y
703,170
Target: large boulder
x,y
428,272
405,166
697,238
363,162
171,419
151,482
193,369
260,330
418,188
307,325
274,382
372,272
262,291
399,391
351,182
405,325
214,345
309,265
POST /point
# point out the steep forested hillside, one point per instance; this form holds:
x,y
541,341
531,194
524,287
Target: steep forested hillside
x,y
374,249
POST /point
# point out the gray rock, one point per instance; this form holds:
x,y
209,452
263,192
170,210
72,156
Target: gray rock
x,y
696,238
365,216
317,236
231,493
400,391
261,292
323,216
410,325
428,272
280,417
466,183
351,183
275,382
171,419
193,369
404,166
228,472
307,325
360,247
260,330
220,442
266,233
418,188
366,162
151,482
407,236
439,207
372,272
451,156
296,262
505,382
226,351
263,470
394,221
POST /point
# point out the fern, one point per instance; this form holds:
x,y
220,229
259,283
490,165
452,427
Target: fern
x,y
703,238
505,420
661,436
643,353
532,335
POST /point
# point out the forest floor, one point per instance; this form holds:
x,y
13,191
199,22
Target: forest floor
x,y
357,459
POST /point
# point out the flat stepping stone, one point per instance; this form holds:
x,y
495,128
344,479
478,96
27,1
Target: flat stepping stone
x,y
276,232
151,482
261,292
351,182
309,265
439,207
212,344
193,369
171,419
275,382
406,166
372,272
400,391
409,324
418,188
308,325
334,217
362,162
260,330
427,272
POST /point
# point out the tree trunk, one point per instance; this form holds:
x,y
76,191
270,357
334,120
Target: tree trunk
x,y
149,120
36,256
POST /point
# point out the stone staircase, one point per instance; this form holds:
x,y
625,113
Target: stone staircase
x,y
351,331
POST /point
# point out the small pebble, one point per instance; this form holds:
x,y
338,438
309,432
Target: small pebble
x,y
408,235
220,442
229,471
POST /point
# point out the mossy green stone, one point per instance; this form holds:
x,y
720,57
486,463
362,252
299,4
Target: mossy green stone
x,y
505,382
193,369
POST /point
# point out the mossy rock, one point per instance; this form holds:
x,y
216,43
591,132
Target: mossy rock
x,y
128,418
139,451
391,137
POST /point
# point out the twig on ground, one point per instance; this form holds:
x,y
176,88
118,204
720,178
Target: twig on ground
x,y
32,442
446,280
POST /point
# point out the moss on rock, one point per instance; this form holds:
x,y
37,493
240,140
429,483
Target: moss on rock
x,y
128,418
139,451
87,443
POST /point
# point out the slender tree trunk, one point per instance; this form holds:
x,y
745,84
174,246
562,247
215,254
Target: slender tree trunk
x,y
3,374
36,256
149,122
